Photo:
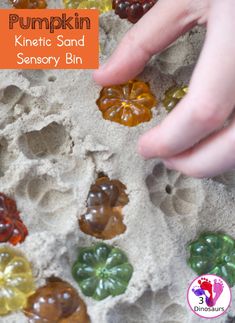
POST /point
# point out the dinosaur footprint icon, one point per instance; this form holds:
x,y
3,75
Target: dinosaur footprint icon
x,y
218,288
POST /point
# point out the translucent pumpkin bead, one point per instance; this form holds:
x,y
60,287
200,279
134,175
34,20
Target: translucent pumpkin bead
x,y
16,280
132,10
12,229
56,302
71,4
29,4
213,253
105,201
128,104
173,96
101,5
102,271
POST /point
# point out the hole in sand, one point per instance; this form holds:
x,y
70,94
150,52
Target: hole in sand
x,y
101,174
6,157
149,308
103,218
11,94
172,192
173,313
168,189
52,78
49,206
42,143
35,77
3,151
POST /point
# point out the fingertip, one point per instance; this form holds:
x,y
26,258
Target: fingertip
x,y
108,74
140,148
169,164
99,75
143,147
96,77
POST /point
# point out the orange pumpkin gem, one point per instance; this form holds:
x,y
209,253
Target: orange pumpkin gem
x,y
56,302
105,201
128,104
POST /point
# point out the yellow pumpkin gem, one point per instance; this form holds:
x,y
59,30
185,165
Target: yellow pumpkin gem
x,y
16,280
173,96
101,5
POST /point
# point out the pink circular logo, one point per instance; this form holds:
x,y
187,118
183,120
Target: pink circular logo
x,y
209,296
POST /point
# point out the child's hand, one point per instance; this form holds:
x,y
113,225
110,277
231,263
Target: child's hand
x,y
201,115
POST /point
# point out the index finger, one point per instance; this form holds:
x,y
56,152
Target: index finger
x,y
155,31
211,95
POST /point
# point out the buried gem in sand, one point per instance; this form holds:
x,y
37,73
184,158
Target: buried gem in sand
x,y
105,201
173,96
56,302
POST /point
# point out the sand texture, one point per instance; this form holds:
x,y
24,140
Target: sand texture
x,y
53,144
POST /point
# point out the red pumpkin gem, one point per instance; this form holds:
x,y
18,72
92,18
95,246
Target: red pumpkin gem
x,y
29,4
132,10
12,228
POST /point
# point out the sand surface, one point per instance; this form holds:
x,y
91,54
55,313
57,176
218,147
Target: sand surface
x,y
54,142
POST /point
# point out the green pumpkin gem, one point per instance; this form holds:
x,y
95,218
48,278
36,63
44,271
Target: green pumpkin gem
x,y
213,253
173,96
102,271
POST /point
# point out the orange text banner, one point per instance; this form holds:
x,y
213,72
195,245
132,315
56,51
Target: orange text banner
x,y
49,39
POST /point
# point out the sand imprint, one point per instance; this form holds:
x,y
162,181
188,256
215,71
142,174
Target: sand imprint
x,y
150,307
9,98
228,179
38,77
35,77
47,202
3,154
173,192
49,141
16,102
